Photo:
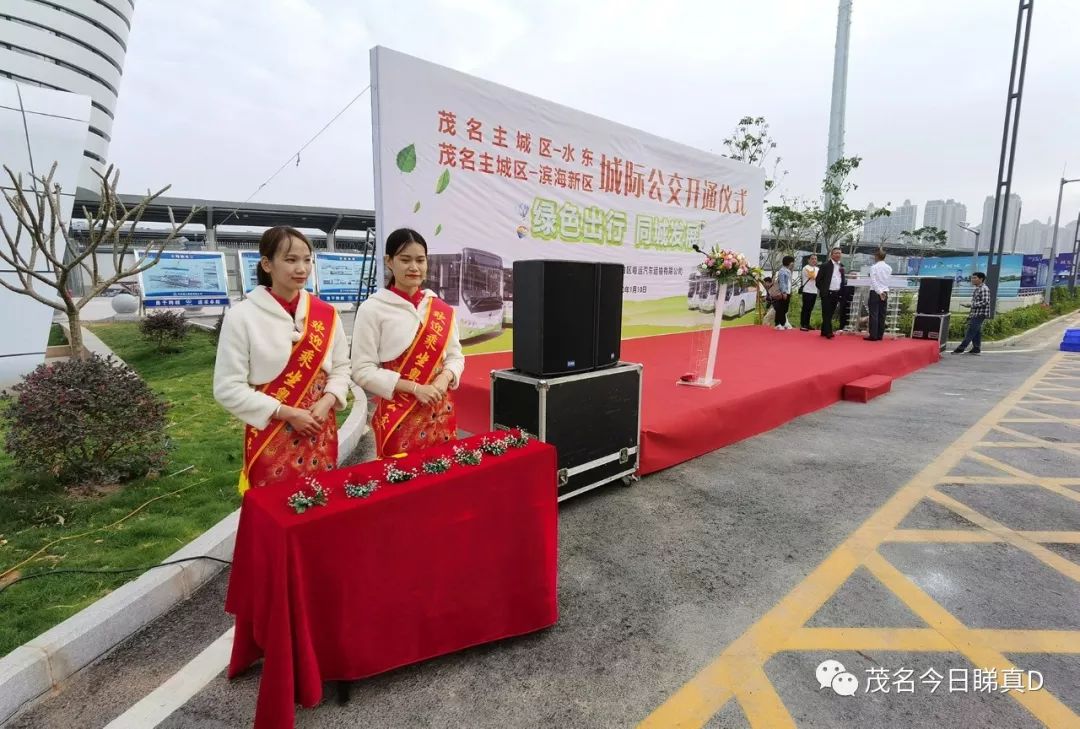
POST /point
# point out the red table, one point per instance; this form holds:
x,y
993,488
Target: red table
x,y
416,570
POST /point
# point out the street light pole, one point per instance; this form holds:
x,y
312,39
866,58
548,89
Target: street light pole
x,y
974,253
1053,244
1075,256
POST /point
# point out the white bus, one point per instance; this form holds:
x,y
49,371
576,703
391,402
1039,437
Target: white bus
x,y
508,297
471,282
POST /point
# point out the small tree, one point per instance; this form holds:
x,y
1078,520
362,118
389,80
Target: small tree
x,y
792,225
41,237
752,142
836,220
924,240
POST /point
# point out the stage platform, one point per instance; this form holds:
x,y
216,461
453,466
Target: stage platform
x,y
768,377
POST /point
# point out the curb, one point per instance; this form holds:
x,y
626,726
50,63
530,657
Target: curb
x,y
1018,339
40,667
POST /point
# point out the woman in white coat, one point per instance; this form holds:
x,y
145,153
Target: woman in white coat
x,y
405,351
283,367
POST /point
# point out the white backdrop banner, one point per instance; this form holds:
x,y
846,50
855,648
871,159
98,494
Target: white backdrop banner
x,y
489,175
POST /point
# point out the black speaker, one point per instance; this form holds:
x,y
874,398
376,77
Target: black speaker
x,y
934,295
609,291
555,316
931,326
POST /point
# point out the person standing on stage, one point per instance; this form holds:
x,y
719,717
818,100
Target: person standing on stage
x,y
406,352
809,292
282,366
783,300
878,298
831,280
980,310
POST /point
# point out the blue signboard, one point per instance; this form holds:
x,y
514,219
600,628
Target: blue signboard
x,y
185,278
339,275
1063,268
959,269
249,262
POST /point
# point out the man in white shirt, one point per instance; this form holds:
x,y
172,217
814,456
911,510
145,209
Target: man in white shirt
x,y
809,292
879,296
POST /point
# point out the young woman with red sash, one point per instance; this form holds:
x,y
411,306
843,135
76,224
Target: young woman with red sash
x,y
283,367
405,351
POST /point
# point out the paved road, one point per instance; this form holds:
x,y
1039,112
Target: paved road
x,y
935,529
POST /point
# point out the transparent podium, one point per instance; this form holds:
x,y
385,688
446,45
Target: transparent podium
x,y
701,370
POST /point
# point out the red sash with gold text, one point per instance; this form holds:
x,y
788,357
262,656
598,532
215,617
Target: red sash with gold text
x,y
289,387
419,364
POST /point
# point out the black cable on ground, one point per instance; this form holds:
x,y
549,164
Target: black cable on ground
x,y
48,573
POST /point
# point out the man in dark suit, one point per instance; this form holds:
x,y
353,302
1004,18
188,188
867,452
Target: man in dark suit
x,y
831,280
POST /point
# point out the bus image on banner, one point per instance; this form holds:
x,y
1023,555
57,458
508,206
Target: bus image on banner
x,y
508,297
471,282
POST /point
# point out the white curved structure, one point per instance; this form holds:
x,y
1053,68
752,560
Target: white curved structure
x,y
70,45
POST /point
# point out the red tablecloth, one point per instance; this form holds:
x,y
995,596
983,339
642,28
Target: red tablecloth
x,y
416,570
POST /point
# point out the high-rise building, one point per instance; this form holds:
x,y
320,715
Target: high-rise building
x,y
887,229
70,45
947,215
1011,224
1036,237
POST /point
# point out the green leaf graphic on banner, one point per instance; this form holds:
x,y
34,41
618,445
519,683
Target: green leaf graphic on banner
x,y
416,207
444,180
438,228
406,159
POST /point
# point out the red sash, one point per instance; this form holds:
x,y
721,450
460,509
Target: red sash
x,y
418,364
289,387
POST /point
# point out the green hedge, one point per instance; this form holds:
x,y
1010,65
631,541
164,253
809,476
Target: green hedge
x,y
1000,327
1017,321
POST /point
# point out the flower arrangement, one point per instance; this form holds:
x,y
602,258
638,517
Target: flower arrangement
x,y
361,490
301,501
730,267
468,456
494,447
517,439
441,464
396,475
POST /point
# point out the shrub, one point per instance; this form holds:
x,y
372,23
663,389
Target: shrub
x,y
85,422
164,329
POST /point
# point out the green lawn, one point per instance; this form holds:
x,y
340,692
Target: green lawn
x,y
205,438
56,336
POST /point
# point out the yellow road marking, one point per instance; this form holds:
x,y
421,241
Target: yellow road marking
x,y
739,670
976,536
1042,704
1039,552
927,640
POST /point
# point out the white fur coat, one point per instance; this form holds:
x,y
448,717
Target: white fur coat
x,y
257,337
386,324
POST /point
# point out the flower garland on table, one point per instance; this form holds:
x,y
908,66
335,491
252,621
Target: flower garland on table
x,y
397,475
361,490
301,501
314,494
441,464
730,267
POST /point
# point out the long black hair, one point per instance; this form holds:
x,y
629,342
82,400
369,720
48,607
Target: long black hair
x,y
271,242
398,240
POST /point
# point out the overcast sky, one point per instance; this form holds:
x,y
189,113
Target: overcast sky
x,y
217,94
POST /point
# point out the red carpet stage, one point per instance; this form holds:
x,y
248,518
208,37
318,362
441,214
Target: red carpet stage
x,y
767,378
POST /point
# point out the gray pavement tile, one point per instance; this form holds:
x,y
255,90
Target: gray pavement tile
x,y
991,585
863,602
1023,508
